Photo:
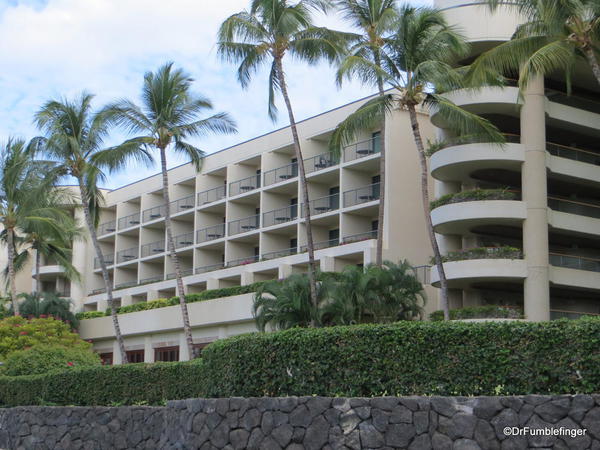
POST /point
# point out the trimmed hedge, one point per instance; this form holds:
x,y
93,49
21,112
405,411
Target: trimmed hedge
x,y
45,358
473,195
131,384
90,314
479,312
410,358
503,252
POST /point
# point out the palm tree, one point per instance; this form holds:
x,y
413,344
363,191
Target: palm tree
x,y
74,139
50,304
265,34
25,185
555,35
169,115
375,20
420,54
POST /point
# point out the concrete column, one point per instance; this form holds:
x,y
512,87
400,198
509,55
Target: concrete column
x,y
369,256
285,270
184,355
152,295
535,195
79,259
212,283
102,304
126,300
148,350
327,264
116,354
247,278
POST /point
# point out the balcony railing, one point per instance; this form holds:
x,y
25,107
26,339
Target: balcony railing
x,y
577,154
280,253
154,213
323,205
126,284
209,268
153,279
153,248
184,240
97,291
210,233
422,273
243,261
362,149
244,225
107,227
129,221
281,215
109,260
244,185
319,162
575,262
574,207
184,273
321,245
362,195
211,195
127,255
281,174
360,237
182,204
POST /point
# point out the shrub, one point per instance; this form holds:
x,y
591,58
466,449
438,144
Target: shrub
x,y
503,252
90,314
479,312
409,358
147,384
45,358
18,333
473,195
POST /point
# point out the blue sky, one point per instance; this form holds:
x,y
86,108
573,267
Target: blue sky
x,y
56,48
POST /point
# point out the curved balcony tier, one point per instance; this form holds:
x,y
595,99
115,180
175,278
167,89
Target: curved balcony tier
x,y
49,272
463,273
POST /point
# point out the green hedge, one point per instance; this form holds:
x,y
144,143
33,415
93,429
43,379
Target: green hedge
x,y
479,312
473,195
503,252
131,384
410,358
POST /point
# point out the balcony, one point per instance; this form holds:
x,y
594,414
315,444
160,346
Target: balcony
x,y
129,221
244,185
211,195
107,227
184,273
244,225
280,253
127,255
280,215
209,268
362,149
154,248
360,237
280,174
574,207
184,240
126,284
176,206
152,279
364,194
323,205
109,260
154,213
321,245
210,233
319,162
575,262
243,261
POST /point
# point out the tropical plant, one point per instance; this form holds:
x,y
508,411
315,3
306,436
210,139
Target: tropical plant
x,y
265,34
44,358
420,54
48,304
169,115
74,139
555,35
26,201
375,19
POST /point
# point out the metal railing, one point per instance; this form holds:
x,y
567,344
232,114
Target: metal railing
x,y
66,292
243,261
280,215
319,162
109,260
127,255
184,240
244,185
126,284
363,194
280,253
321,245
576,154
154,213
280,174
211,195
422,273
574,207
209,268
129,221
182,204
575,262
573,100
154,248
362,149
360,237
184,273
210,233
107,227
152,279
567,314
244,225
323,205
97,291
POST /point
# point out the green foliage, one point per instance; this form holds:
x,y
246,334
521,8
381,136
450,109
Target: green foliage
x,y
479,312
48,304
502,252
90,314
473,195
130,384
409,358
18,333
45,358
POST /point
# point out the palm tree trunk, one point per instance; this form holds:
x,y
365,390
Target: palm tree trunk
x,y
425,199
381,212
593,62
37,271
174,258
10,235
303,186
109,293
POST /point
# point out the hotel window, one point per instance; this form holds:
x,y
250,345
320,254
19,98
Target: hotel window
x,y
106,359
135,356
166,354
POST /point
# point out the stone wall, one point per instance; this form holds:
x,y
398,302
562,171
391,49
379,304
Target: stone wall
x,y
311,423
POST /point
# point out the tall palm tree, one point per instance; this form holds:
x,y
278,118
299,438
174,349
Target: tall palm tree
x,y
421,52
555,35
74,138
24,201
170,114
375,20
265,34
